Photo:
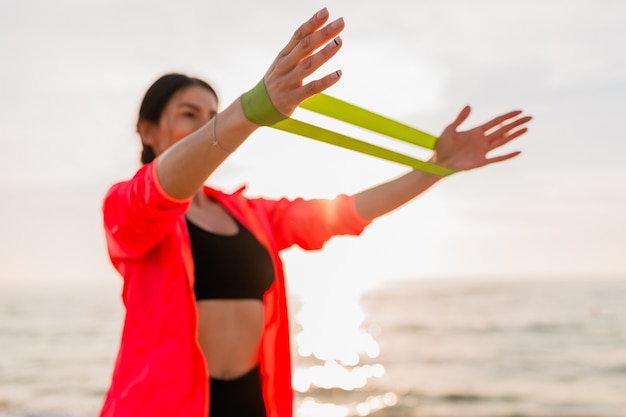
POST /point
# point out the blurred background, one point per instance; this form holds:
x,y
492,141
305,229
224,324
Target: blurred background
x,y
498,292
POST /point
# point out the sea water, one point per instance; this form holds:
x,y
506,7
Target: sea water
x,y
470,348
416,348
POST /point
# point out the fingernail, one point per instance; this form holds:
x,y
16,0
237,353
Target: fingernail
x,y
338,74
337,41
322,13
337,23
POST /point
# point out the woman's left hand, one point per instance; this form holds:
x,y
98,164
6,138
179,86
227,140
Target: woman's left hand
x,y
464,150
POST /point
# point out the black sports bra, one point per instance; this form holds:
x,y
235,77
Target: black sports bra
x,y
229,266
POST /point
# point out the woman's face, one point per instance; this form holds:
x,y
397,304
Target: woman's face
x,y
188,110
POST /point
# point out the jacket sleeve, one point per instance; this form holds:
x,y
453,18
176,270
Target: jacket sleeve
x,y
138,214
311,223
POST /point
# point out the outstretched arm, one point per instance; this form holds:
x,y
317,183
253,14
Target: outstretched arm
x,y
186,165
459,150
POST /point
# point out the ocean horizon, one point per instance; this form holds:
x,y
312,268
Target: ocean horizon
x,y
427,348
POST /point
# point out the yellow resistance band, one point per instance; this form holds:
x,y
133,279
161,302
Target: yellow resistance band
x,y
357,116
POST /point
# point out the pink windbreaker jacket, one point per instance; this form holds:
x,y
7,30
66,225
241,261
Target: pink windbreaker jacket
x,y
160,370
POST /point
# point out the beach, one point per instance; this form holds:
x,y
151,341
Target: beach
x,y
532,348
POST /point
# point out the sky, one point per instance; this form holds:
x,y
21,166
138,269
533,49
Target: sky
x,y
74,71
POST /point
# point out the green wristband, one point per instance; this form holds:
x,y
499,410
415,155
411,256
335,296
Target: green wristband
x,y
258,107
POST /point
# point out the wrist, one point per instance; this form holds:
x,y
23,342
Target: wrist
x,y
258,107
437,160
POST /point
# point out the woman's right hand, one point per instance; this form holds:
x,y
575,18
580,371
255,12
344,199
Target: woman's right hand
x,y
185,166
298,60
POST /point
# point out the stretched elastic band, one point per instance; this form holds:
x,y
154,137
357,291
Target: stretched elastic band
x,y
338,139
258,107
349,113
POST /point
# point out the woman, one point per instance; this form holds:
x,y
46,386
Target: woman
x,y
206,327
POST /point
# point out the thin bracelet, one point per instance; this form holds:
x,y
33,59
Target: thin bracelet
x,y
215,141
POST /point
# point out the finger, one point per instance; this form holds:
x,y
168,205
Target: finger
x,y
317,86
309,65
310,26
462,116
503,130
313,42
498,120
496,143
501,158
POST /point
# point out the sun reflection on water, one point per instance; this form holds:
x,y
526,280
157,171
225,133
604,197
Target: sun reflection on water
x,y
334,375
336,353
313,408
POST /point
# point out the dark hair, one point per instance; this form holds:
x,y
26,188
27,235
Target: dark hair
x,y
157,97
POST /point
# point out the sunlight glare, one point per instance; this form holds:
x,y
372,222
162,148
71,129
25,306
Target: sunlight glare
x,y
334,340
331,329
375,403
312,408
334,375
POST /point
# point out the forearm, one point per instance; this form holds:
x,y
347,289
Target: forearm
x,y
186,165
382,199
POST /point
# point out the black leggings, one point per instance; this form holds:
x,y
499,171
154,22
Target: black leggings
x,y
241,397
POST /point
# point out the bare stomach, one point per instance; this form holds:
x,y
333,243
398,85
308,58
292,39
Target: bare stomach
x,y
229,332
